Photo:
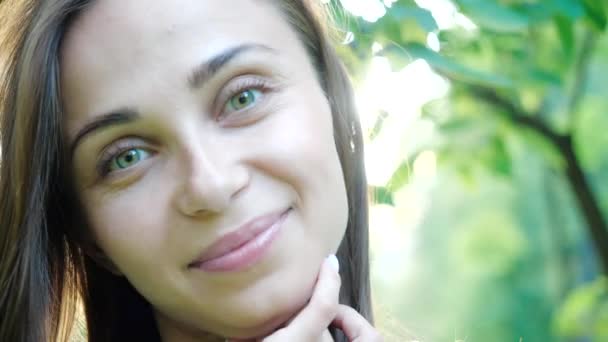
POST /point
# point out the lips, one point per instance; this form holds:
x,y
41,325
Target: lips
x,y
243,246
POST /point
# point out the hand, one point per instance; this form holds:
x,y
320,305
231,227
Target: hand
x,y
324,309
354,326
312,322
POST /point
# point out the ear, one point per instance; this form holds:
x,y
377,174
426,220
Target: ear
x,y
100,257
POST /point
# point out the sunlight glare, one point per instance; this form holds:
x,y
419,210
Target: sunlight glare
x,y
369,10
390,243
446,14
369,96
432,41
416,85
464,22
401,95
425,165
349,37
376,47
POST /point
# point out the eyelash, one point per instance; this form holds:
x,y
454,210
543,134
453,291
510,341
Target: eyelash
x,y
248,84
113,151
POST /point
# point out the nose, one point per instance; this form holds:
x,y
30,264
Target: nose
x,y
209,181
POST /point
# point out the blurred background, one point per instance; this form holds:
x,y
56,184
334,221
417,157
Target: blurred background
x,y
486,150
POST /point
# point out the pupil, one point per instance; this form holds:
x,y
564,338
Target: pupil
x,y
129,157
243,98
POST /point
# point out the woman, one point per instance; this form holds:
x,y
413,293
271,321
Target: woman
x,y
182,167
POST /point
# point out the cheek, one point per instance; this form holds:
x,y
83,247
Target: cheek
x,y
128,227
304,155
300,141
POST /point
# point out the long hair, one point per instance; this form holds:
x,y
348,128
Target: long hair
x,y
44,270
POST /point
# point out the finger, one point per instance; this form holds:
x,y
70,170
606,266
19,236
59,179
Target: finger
x,y
323,305
318,314
354,326
326,337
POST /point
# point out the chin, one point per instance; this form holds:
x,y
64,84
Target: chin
x,y
277,315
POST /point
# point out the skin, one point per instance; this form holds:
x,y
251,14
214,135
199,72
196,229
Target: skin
x,y
310,324
202,167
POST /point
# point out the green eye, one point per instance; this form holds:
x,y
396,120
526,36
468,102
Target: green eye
x,y
128,158
244,99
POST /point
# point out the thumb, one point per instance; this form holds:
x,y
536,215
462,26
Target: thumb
x,y
318,314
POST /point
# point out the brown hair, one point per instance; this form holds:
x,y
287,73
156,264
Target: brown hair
x,y
44,270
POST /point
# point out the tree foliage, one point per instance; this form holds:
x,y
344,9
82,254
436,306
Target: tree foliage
x,y
518,219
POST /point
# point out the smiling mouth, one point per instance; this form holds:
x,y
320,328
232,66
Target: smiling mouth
x,y
244,247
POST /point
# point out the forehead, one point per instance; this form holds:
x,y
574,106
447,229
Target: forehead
x,y
116,44
130,25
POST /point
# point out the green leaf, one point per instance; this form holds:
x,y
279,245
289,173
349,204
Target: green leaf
x,y
571,9
378,125
381,195
538,12
536,76
458,125
389,29
494,16
579,312
448,66
566,34
596,13
498,159
397,55
422,16
400,177
410,31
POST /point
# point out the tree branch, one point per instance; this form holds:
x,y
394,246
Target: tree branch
x,y
515,114
587,202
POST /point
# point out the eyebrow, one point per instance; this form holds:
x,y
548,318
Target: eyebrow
x,y
115,118
208,69
198,77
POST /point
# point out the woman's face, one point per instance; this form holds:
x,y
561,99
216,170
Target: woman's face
x,y
188,119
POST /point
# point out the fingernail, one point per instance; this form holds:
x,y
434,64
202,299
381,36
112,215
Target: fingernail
x,y
333,261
